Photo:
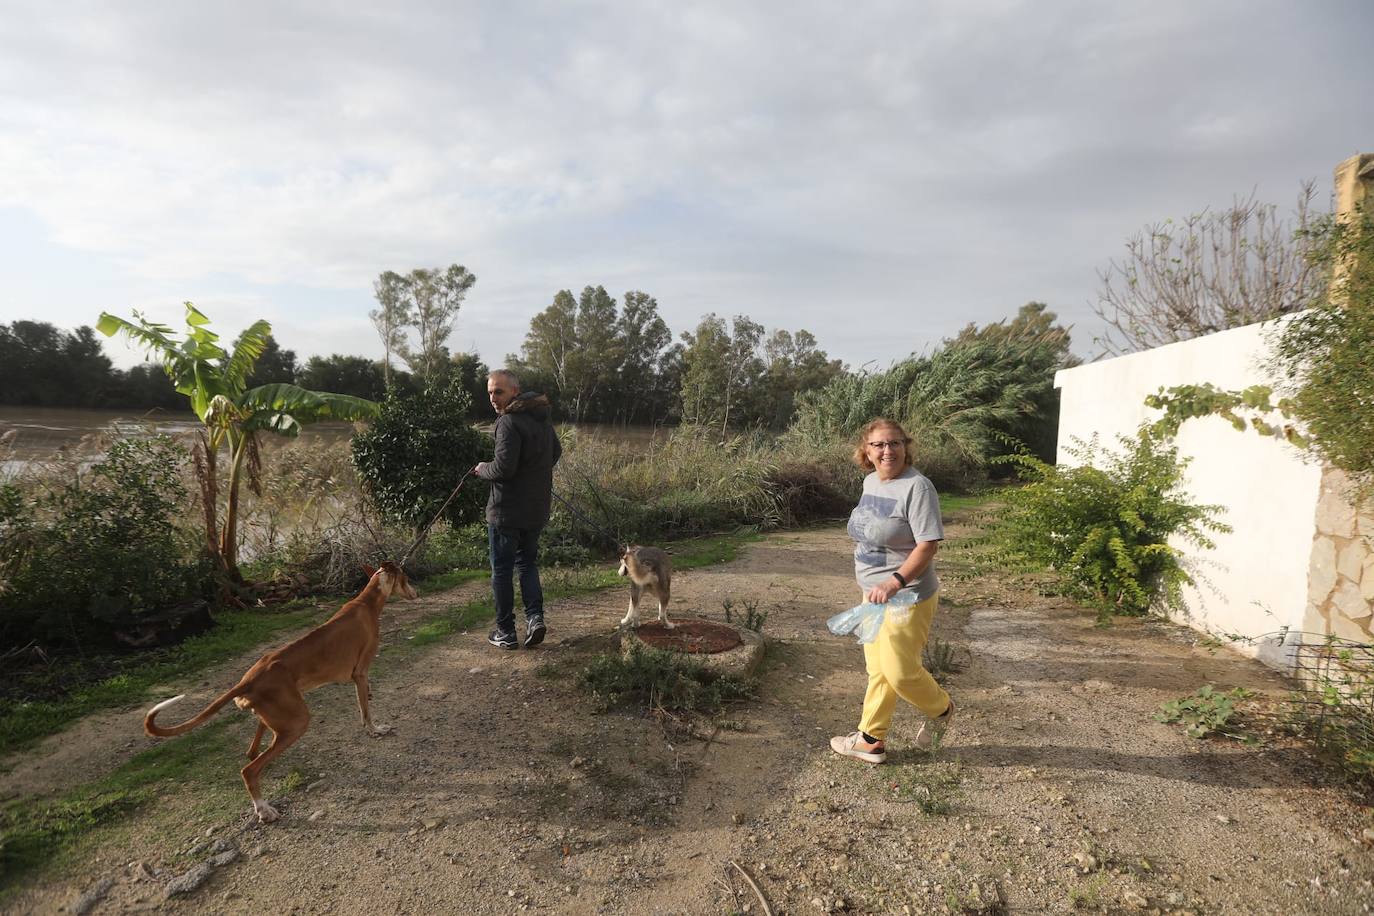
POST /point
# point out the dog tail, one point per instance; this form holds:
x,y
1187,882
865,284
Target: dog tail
x,y
157,731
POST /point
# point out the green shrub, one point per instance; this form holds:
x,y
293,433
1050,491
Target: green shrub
x,y
1324,352
656,679
1104,531
95,551
413,454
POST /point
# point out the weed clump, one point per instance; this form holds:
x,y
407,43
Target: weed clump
x,y
657,679
1205,712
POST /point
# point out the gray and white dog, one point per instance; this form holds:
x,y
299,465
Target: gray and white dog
x,y
649,570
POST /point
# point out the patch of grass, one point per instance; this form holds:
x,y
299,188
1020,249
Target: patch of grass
x,y
1087,895
953,503
24,723
36,831
442,582
440,626
655,679
694,553
932,787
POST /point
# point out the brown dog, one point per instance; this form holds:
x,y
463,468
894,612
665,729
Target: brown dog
x,y
338,650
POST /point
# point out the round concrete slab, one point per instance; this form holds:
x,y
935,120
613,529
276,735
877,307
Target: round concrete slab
x,y
716,645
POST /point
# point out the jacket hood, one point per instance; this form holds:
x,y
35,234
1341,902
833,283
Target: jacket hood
x,y
530,402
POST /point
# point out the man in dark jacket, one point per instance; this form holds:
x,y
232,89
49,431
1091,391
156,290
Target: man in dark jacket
x,y
521,476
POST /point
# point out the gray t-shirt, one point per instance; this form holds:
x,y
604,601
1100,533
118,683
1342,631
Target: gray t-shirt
x,y
892,517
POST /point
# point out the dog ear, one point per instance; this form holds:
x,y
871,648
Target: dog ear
x,y
370,570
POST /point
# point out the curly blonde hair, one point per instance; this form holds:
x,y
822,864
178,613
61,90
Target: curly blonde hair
x,y
861,447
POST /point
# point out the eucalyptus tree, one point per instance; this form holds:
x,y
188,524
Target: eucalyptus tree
x,y
721,367
232,415
644,337
428,300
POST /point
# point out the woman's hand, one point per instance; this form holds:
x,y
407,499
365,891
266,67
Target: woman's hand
x,y
883,591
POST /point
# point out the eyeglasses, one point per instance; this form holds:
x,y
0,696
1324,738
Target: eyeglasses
x,y
889,444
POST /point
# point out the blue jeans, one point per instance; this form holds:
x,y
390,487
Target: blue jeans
x,y
514,551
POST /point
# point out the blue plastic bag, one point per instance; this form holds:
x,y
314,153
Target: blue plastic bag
x,y
865,620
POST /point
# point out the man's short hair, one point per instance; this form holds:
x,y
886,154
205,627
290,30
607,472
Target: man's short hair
x,y
511,378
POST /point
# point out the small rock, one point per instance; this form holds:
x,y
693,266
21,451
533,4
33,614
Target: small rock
x,y
94,894
210,831
1134,900
433,823
1224,820
1367,836
316,814
1173,898
257,852
220,847
197,849
224,858
577,762
818,903
188,881
316,785
1086,861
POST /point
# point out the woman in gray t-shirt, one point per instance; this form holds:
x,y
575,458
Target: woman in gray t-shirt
x,y
896,530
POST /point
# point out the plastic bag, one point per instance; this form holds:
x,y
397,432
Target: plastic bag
x,y
865,620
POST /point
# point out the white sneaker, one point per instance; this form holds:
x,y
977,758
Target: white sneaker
x,y
933,730
855,746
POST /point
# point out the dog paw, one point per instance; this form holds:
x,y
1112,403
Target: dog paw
x,y
378,731
265,812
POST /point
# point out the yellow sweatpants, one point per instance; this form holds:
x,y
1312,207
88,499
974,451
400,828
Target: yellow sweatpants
x,y
894,668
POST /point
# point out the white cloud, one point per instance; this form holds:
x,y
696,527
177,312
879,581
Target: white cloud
x,y
802,162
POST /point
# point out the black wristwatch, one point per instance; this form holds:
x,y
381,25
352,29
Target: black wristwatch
x,y
900,578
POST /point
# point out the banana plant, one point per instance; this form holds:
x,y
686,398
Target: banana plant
x,y
232,415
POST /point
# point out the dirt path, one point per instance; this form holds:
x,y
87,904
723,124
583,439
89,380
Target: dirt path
x,y
502,792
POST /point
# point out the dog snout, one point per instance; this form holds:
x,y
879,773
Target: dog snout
x,y
624,570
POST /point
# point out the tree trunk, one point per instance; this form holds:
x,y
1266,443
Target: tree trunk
x,y
228,540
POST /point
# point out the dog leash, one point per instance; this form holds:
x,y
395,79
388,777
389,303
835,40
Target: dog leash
x,y
588,522
425,532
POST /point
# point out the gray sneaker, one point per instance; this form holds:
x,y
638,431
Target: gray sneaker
x,y
534,631
932,731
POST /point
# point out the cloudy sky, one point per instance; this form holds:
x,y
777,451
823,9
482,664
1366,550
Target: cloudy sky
x,y
881,173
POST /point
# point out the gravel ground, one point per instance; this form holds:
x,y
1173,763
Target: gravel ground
x,y
502,791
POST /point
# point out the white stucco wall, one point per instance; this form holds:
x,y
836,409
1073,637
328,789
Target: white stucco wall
x,y
1255,581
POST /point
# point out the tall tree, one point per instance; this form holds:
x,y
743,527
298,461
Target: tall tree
x,y
793,365
720,367
644,337
355,375
392,319
1208,272
550,347
437,296
427,300
598,353
274,365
